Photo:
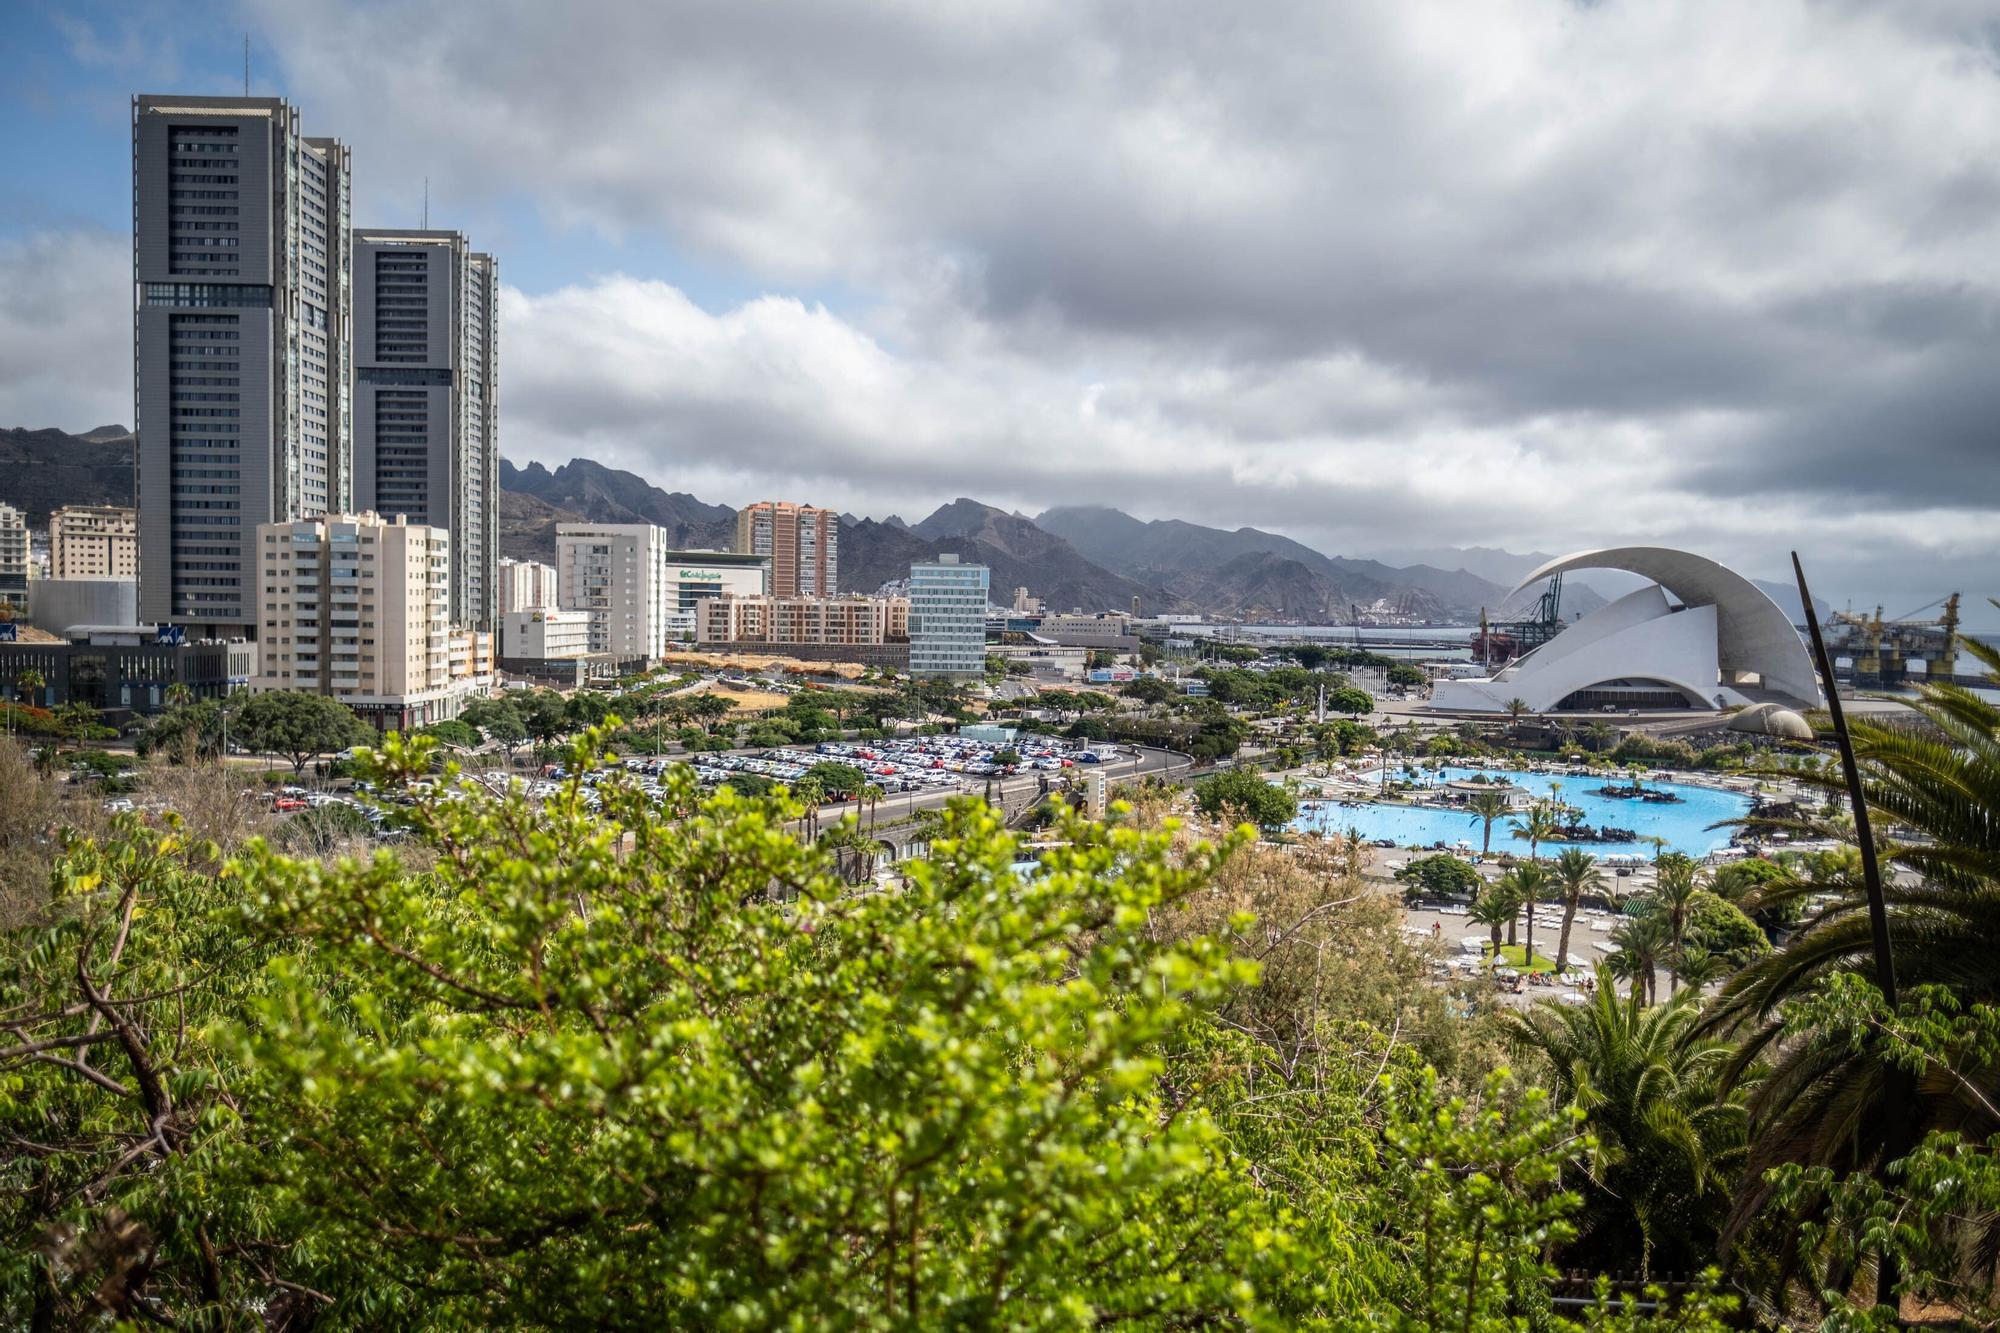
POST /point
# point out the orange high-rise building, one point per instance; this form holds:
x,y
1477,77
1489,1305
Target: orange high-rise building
x,y
803,542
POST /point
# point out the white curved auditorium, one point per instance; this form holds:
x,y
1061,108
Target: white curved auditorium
x,y
1700,636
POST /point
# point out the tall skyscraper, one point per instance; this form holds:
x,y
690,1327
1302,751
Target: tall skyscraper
x,y
948,618
803,542
426,432
240,345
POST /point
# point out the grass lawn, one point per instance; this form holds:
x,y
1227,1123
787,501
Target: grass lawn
x,y
1512,954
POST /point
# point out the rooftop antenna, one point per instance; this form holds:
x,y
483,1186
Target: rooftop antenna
x,y
427,203
246,64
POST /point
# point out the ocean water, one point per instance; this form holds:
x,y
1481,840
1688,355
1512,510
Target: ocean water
x,y
1686,825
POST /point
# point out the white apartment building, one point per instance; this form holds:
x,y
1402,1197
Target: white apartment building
x,y
544,632
524,585
359,607
94,542
13,558
948,618
618,573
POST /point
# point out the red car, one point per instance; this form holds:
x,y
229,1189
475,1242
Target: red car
x,y
286,803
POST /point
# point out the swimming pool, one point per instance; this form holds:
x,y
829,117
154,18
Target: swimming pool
x,y
1685,825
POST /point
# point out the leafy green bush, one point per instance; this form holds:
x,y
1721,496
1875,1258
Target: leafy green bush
x,y
1241,794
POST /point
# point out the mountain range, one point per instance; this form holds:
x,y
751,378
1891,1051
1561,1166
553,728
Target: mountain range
x,y
1074,557
45,469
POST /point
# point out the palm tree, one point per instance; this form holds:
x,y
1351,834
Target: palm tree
x,y
1527,884
1517,708
30,680
1576,873
1696,966
1487,807
870,793
1670,1132
178,695
1678,880
1933,796
1495,907
1540,825
1642,944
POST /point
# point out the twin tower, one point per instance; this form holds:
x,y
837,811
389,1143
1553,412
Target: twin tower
x,y
288,366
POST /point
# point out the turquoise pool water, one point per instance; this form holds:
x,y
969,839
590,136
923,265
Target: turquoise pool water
x,y
1685,825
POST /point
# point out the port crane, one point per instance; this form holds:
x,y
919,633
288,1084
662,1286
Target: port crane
x,y
1882,650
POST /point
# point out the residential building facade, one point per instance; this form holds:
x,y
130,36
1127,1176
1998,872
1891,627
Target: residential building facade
x,y
802,541
948,618
617,572
786,621
524,585
543,632
13,558
94,542
241,337
426,426
359,607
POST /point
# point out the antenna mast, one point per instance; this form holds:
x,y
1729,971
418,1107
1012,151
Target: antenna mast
x,y
246,64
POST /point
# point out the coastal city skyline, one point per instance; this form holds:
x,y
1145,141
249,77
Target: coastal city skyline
x,y
1574,391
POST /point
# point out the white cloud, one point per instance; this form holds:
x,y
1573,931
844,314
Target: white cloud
x,y
1413,272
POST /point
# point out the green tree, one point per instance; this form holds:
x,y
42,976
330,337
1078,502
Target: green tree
x,y
1643,946
1351,700
1487,807
1677,881
546,715
1670,1133
1576,874
1240,794
1495,908
299,727
1538,827
1528,883
453,731
1439,876
835,779
501,720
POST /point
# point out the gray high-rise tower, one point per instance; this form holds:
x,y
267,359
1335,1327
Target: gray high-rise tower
x,y
240,345
426,434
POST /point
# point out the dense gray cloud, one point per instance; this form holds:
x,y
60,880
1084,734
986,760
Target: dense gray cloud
x,y
1531,272
66,330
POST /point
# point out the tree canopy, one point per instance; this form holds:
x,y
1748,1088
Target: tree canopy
x,y
1240,794
298,726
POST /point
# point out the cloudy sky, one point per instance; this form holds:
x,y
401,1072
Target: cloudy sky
x,y
1525,273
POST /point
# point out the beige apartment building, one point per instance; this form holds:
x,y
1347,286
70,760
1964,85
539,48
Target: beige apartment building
x,y
862,629
802,541
94,542
359,607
